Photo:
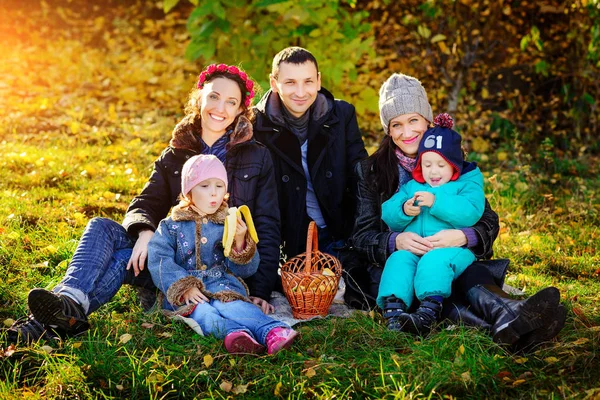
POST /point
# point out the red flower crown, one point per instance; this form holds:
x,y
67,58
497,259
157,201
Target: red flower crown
x,y
212,68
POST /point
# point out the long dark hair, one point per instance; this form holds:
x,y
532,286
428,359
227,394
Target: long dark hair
x,y
383,167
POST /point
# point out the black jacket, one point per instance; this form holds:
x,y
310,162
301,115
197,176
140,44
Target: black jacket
x,y
335,146
371,235
251,182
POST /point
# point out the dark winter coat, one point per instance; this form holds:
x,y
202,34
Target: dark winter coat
x,y
335,146
251,182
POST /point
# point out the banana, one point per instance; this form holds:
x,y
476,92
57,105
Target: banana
x,y
231,223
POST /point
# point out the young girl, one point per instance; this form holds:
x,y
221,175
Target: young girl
x,y
187,264
445,193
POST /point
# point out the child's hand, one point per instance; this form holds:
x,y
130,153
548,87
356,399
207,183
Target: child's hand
x,y
194,296
240,235
410,208
425,198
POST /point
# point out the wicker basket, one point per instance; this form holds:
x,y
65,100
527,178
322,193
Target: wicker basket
x,y
309,292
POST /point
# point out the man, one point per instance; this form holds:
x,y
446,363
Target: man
x,y
315,144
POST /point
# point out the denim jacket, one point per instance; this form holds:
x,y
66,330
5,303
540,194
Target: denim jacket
x,y
186,251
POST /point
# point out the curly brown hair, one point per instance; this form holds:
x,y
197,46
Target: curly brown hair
x,y
192,107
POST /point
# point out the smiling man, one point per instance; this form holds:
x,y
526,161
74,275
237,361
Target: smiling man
x,y
315,144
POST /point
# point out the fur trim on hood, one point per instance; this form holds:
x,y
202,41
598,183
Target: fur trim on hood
x,y
187,133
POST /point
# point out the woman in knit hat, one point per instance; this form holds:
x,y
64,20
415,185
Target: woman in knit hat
x,y
198,278
217,121
405,116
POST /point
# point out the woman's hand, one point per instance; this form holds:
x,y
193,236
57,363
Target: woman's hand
x,y
140,252
414,243
424,198
240,234
264,305
410,209
448,238
194,296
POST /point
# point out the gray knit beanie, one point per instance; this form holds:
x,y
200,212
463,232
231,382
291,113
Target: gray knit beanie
x,y
402,94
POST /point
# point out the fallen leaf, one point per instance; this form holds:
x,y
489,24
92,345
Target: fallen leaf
x,y
466,376
239,389
551,360
518,382
581,341
8,322
10,350
277,391
310,373
126,337
147,325
232,362
165,334
76,345
208,360
521,360
226,386
47,349
119,387
503,374
461,349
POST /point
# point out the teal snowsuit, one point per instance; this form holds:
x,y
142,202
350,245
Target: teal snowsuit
x,y
458,204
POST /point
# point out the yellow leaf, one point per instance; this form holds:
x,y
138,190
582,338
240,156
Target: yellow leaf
x,y
226,386
75,127
112,113
124,338
438,38
310,372
502,156
239,389
466,376
551,360
277,391
480,145
76,345
461,349
518,382
581,341
208,360
521,360
232,362
8,322
485,93
166,334
526,248
443,48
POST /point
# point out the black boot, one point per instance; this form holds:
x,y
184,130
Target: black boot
x,y
421,321
394,312
552,325
57,311
511,319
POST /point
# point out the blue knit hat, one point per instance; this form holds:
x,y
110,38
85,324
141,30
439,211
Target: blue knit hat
x,y
443,140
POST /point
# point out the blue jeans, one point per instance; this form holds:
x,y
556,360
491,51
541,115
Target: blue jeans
x,y
222,318
328,245
98,268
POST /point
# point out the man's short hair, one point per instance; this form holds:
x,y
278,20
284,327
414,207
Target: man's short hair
x,y
293,55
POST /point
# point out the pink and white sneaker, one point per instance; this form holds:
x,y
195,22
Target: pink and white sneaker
x,y
240,342
280,338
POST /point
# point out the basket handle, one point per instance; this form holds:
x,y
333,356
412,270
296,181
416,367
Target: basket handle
x,y
312,244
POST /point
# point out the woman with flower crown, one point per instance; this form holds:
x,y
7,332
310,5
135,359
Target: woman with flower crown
x,y
217,121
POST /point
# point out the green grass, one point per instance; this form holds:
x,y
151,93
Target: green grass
x,y
85,109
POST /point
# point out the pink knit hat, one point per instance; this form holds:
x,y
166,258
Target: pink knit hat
x,y
200,168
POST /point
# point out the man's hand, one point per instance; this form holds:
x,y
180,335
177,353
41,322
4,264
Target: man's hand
x,y
194,296
140,252
263,304
425,198
414,243
448,238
